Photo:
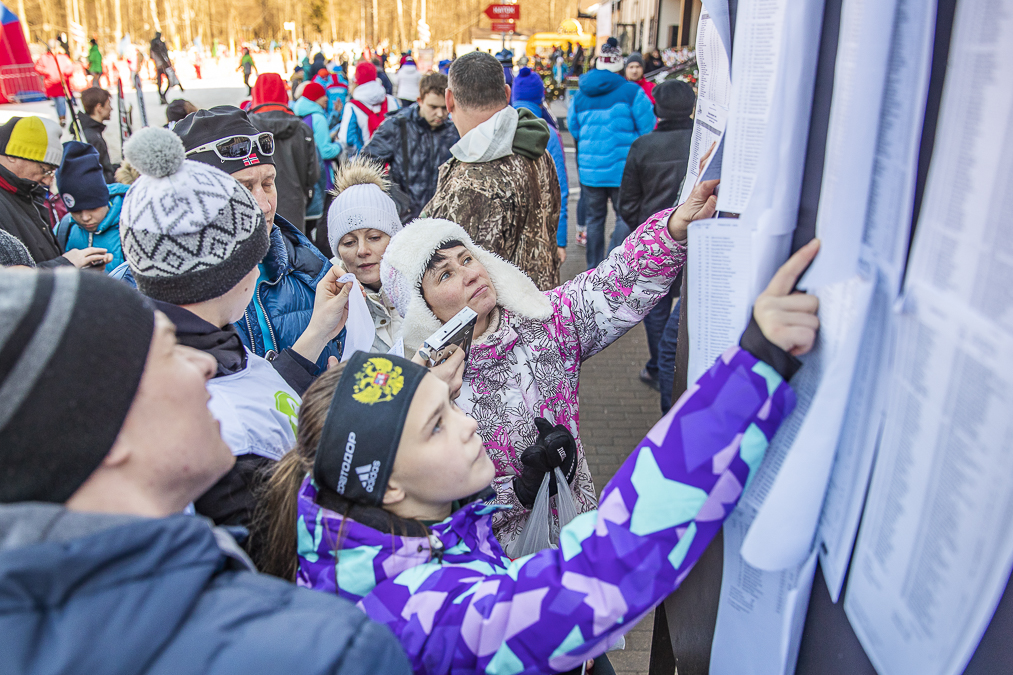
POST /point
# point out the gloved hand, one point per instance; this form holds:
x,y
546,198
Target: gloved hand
x,y
555,446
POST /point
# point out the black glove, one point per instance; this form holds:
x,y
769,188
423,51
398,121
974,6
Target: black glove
x,y
555,446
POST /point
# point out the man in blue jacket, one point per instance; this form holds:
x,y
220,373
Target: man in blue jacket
x,y
100,571
279,313
605,117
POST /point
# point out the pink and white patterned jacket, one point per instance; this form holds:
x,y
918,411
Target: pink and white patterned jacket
x,y
527,368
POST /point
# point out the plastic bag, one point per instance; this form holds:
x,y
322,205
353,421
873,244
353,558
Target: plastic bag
x,y
535,535
566,505
540,532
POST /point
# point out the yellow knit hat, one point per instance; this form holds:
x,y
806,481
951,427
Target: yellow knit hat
x,y
33,138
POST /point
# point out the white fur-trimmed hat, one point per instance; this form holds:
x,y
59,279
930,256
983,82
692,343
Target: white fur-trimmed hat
x,y
404,262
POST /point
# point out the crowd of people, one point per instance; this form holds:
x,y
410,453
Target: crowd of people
x,y
220,432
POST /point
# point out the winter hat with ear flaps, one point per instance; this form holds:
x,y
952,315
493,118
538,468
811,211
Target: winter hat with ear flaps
x,y
404,262
190,232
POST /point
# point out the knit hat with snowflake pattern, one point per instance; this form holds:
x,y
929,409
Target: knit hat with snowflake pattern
x,y
610,57
190,232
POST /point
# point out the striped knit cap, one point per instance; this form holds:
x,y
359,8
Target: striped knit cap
x,y
73,346
190,232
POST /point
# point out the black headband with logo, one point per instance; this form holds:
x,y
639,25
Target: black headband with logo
x,y
364,424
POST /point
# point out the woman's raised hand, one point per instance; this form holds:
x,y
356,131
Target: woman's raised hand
x,y
788,317
702,203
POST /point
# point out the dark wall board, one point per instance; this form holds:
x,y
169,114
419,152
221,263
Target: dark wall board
x,y
684,623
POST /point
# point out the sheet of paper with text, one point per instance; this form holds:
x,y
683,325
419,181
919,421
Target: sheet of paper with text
x,y
935,547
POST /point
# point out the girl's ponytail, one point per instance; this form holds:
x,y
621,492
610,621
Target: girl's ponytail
x,y
274,536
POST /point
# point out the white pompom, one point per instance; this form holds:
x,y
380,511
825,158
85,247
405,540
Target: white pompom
x,y
155,151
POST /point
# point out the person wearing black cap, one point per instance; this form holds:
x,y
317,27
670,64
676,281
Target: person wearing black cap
x,y
105,437
382,502
652,179
279,313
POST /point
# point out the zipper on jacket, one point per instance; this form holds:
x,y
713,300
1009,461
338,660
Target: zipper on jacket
x,y
249,328
267,320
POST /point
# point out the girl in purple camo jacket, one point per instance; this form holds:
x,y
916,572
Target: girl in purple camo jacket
x,y
369,506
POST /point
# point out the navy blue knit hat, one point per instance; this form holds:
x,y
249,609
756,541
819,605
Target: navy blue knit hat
x,y
80,179
528,86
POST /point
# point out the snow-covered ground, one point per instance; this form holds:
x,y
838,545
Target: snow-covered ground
x,y
221,85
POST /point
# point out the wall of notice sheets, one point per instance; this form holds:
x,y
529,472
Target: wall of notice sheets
x,y
895,473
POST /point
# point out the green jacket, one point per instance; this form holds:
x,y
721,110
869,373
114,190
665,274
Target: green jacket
x,y
94,60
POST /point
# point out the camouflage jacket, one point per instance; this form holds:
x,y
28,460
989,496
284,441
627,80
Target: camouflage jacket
x,y
509,206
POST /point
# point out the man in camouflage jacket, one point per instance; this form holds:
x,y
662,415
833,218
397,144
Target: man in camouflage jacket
x,y
500,184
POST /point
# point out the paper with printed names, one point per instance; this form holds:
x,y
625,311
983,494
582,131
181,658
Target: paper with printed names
x,y
712,101
860,74
718,288
884,247
782,534
935,549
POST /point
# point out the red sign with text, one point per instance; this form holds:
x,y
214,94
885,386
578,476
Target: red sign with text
x,y
500,13
503,26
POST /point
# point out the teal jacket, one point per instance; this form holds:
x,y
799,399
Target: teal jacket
x,y
70,235
327,148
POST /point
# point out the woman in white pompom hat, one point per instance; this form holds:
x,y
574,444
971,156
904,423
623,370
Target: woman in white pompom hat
x,y
529,345
361,220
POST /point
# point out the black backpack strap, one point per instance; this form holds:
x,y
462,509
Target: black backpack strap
x,y
403,123
63,234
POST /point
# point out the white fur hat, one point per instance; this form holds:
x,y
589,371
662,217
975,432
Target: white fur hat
x,y
404,262
361,201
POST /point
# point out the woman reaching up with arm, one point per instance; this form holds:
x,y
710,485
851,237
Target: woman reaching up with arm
x,y
377,504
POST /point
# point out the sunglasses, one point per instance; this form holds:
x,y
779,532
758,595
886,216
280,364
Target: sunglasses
x,y
238,147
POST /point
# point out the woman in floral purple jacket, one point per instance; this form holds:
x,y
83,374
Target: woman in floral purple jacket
x,y
530,345
368,505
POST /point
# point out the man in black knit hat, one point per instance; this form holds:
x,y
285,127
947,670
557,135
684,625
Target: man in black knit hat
x,y
105,437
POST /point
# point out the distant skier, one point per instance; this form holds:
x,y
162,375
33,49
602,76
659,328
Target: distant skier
x,y
163,67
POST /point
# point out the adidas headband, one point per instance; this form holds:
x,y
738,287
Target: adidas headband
x,y
359,440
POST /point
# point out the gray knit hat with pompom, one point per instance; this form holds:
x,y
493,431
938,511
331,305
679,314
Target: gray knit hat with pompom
x,y
190,232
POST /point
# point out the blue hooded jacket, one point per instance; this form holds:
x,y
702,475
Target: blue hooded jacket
x,y
292,269
328,149
555,148
99,593
606,115
106,235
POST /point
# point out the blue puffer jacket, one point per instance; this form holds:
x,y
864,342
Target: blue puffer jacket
x,y
107,234
605,117
293,267
98,593
555,148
